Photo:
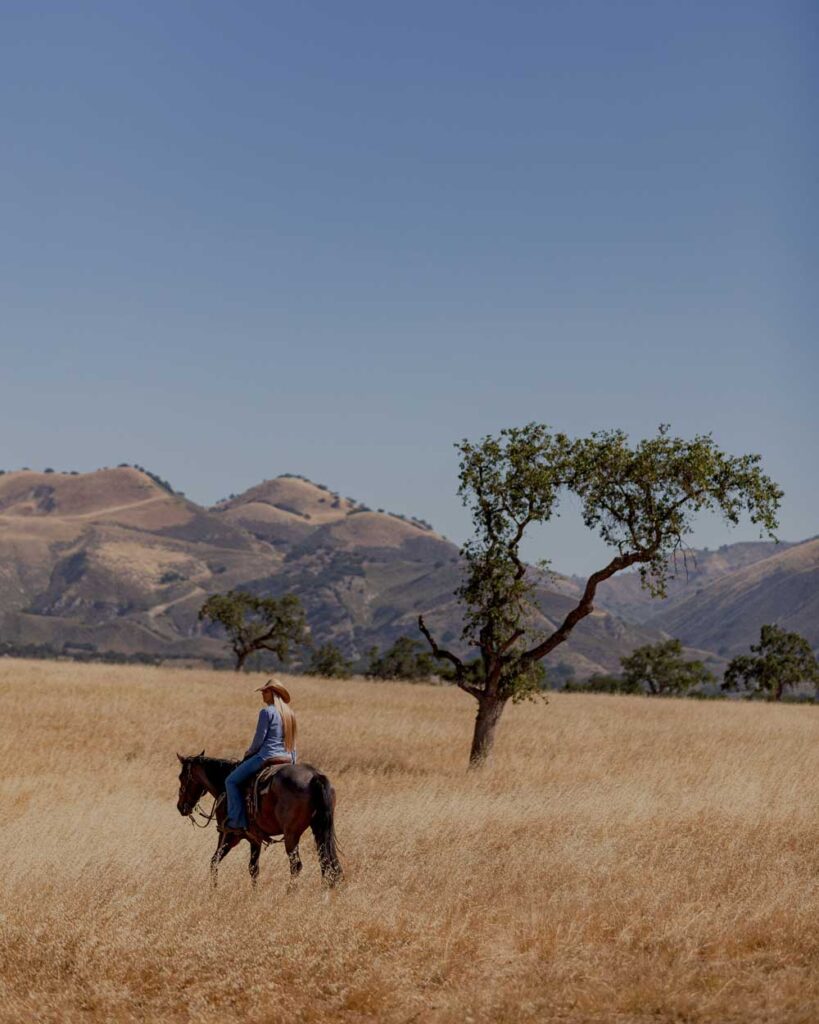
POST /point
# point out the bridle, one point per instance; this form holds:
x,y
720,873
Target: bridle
x,y
208,816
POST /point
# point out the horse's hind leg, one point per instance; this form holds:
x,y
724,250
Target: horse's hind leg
x,y
291,845
226,844
253,866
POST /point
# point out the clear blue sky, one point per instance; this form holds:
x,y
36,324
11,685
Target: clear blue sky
x,y
331,239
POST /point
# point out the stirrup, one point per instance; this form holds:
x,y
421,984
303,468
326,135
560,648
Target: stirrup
x,y
228,830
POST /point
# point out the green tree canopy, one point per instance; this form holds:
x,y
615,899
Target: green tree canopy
x,y
661,669
780,659
257,623
641,499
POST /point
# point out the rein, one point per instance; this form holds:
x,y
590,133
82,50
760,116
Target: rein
x,y
208,816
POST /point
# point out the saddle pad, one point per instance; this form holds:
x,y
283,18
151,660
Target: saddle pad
x,y
267,773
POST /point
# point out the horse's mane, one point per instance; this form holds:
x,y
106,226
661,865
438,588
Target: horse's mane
x,y
217,769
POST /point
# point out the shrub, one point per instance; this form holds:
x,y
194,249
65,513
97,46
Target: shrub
x,y
406,659
599,683
328,661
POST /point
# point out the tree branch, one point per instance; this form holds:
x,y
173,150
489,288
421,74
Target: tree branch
x,y
444,655
265,645
585,605
512,548
515,636
485,639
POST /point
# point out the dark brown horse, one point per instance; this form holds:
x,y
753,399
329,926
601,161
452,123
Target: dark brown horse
x,y
297,797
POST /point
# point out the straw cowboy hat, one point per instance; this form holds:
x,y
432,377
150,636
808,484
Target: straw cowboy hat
x,y
277,687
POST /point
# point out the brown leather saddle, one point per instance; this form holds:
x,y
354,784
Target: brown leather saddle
x,y
260,782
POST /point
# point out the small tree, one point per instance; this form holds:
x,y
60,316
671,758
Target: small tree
x,y
780,659
257,623
642,501
659,668
406,659
328,661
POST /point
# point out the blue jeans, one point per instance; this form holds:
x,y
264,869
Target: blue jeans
x,y
236,816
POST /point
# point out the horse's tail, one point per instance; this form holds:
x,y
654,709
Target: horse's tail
x,y
323,799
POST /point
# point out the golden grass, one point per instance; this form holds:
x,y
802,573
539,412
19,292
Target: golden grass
x,y
624,859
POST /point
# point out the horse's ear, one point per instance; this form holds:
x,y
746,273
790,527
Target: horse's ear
x,y
202,754
180,757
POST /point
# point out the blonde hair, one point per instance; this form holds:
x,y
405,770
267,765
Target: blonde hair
x,y
288,717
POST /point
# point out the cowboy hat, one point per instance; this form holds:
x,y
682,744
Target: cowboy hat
x,y
277,687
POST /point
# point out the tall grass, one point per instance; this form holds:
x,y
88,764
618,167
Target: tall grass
x,y
623,859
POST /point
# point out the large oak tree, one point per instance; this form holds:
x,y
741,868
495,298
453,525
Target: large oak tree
x,y
252,623
641,499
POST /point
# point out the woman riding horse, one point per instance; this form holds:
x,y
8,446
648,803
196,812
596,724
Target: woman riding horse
x,y
297,797
274,740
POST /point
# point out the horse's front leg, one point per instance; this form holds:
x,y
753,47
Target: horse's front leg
x,y
253,866
225,845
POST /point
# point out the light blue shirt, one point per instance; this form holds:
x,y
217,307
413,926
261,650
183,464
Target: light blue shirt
x,y
268,740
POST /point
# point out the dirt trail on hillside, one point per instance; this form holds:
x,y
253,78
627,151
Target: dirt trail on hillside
x,y
97,512
159,609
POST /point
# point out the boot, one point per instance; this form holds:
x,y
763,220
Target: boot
x,y
232,830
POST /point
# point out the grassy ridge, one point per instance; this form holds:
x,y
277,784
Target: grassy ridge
x,y
623,859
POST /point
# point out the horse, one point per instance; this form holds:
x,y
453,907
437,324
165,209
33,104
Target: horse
x,y
297,796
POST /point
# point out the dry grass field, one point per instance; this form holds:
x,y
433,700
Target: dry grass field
x,y
623,860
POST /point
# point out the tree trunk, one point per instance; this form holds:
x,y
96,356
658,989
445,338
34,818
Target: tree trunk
x,y
241,658
490,708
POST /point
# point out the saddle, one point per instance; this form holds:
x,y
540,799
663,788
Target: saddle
x,y
260,783
255,788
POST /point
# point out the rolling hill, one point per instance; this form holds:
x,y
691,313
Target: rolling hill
x,y
697,569
365,576
726,615
116,561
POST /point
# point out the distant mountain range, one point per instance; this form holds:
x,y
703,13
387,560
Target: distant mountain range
x,y
719,599
693,571
115,560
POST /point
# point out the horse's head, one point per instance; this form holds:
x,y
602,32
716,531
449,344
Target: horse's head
x,y
191,784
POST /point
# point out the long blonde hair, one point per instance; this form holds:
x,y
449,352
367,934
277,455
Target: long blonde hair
x,y
288,717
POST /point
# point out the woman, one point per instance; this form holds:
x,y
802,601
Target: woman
x,y
275,738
